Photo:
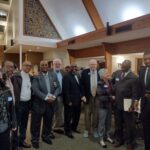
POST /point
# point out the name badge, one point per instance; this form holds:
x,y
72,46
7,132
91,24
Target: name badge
x,y
10,98
117,79
105,86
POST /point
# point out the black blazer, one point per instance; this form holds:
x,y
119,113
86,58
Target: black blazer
x,y
86,85
16,80
145,104
124,88
141,81
71,89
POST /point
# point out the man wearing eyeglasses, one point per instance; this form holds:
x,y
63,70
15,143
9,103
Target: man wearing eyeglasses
x,y
22,92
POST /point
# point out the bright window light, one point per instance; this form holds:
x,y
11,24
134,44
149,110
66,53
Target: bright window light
x,y
79,30
132,12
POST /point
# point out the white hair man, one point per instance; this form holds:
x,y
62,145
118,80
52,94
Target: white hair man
x,y
89,80
59,108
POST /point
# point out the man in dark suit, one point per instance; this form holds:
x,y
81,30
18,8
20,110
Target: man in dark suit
x,y
125,88
72,101
144,86
89,80
45,88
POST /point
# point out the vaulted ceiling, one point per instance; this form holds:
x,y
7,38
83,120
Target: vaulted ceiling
x,y
71,18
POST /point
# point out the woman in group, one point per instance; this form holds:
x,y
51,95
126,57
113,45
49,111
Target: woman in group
x,y
7,115
104,99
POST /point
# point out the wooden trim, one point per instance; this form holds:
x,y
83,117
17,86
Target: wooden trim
x,y
137,24
133,46
93,13
88,52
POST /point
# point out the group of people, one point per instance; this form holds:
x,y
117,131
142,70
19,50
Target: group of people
x,y
55,96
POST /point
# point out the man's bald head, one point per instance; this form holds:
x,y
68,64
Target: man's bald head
x,y
9,67
26,66
126,65
93,64
44,66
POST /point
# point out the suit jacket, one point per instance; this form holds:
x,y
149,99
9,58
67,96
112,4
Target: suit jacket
x,y
40,90
124,88
71,90
145,104
86,85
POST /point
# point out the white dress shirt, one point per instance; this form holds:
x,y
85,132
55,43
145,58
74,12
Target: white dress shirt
x,y
26,87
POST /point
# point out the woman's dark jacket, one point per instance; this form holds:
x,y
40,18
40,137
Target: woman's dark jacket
x,y
104,94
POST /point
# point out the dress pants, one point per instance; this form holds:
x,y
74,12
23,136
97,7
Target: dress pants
x,y
22,113
145,117
5,140
125,120
36,118
91,114
71,117
58,112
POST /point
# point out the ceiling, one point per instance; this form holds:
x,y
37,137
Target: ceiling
x,y
71,19
131,35
70,16
28,48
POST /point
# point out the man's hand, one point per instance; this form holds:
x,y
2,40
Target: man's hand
x,y
136,105
83,98
14,129
51,99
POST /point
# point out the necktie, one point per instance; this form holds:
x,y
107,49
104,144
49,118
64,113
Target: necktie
x,y
122,75
76,79
93,84
47,83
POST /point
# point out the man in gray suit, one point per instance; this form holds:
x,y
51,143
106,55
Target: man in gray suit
x,y
45,88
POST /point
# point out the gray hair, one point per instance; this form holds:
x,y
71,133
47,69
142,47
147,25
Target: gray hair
x,y
102,71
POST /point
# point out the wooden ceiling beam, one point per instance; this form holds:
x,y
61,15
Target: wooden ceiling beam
x,y
93,13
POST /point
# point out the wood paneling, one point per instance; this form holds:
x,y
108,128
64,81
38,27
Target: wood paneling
x,y
108,57
88,52
133,46
34,57
93,13
1,54
13,57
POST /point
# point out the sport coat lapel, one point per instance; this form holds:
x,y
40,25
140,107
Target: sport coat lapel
x,y
42,80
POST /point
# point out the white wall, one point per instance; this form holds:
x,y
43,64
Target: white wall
x,y
12,29
84,62
56,53
131,57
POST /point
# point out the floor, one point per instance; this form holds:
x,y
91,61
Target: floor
x,y
61,142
